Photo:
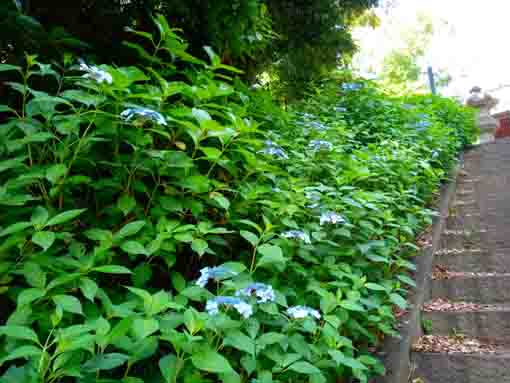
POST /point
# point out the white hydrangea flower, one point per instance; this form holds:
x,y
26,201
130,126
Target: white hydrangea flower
x,y
94,73
216,273
263,292
331,217
143,114
319,145
297,234
300,312
213,306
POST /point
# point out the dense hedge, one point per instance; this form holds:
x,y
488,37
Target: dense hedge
x,y
160,225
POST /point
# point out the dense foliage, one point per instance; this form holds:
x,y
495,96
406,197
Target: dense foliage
x,y
168,225
298,40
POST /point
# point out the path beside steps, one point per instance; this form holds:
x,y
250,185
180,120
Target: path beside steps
x,y
466,318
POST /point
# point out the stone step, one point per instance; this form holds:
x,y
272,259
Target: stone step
x,y
482,289
476,262
485,322
461,368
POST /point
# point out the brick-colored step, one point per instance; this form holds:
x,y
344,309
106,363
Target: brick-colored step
x,y
490,322
461,368
483,289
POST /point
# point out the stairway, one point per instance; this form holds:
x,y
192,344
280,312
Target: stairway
x,y
466,319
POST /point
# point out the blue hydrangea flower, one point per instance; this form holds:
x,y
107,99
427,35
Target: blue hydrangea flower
x,y
318,126
319,145
213,306
300,312
263,292
297,234
143,114
216,273
94,73
351,86
274,150
314,197
331,217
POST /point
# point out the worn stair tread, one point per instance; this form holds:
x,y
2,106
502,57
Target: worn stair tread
x,y
494,288
476,262
487,321
461,367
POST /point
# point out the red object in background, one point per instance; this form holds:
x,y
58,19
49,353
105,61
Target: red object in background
x,y
503,129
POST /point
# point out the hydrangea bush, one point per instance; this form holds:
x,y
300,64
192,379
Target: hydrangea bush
x,y
168,226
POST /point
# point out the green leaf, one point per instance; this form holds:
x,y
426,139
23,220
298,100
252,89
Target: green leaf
x,y
88,288
398,300
201,115
65,217
375,287
269,338
34,275
134,247
197,184
5,108
342,360
126,204
169,369
211,361
112,269
56,172
39,216
130,229
44,239
83,97
15,228
220,199
8,67
199,246
105,362
21,352
212,153
407,280
119,330
303,367
68,303
240,341
271,255
250,237
27,296
142,328
19,332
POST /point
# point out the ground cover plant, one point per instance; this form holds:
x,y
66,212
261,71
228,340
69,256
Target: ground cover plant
x,y
161,224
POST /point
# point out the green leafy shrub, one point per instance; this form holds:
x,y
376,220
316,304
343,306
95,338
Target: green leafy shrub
x,y
164,225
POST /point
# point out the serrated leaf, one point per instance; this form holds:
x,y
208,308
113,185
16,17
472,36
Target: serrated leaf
x,y
240,341
303,367
15,228
21,352
88,288
271,255
112,269
343,360
44,239
65,217
105,362
19,332
211,361
68,303
134,247
130,229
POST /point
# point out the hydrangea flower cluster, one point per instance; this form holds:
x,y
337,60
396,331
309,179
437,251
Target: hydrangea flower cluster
x,y
314,197
263,292
217,273
94,73
318,126
300,312
213,306
274,150
331,217
297,235
143,114
351,86
319,145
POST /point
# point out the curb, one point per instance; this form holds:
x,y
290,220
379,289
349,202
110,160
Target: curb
x,y
396,352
